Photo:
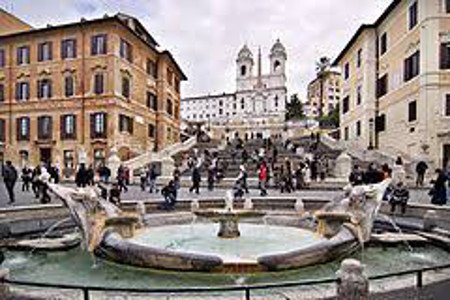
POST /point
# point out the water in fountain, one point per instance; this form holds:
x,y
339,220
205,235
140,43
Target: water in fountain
x,y
50,230
398,229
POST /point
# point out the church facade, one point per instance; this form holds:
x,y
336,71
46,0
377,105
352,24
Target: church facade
x,y
256,108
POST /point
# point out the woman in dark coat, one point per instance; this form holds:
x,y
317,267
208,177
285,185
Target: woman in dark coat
x,y
439,191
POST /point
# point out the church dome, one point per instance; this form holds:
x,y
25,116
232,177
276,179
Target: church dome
x,y
245,53
278,49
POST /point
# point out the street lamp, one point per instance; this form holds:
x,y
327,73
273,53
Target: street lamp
x,y
371,128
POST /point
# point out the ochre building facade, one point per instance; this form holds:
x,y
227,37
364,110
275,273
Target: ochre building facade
x,y
70,93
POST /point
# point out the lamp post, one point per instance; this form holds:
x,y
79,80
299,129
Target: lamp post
x,y
371,129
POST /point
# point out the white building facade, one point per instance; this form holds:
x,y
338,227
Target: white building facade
x,y
258,105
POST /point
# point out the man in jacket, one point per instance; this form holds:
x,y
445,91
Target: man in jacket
x,y
10,178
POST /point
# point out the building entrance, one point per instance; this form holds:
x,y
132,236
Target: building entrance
x,y
45,155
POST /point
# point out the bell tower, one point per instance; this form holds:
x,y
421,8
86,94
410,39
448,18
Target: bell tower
x,y
278,59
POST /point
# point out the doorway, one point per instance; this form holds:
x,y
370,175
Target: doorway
x,y
445,155
45,155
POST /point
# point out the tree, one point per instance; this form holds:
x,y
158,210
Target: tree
x,y
331,120
294,109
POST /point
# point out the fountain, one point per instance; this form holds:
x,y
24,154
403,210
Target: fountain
x,y
228,218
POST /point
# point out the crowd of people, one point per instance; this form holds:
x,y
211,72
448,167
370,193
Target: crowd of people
x,y
287,175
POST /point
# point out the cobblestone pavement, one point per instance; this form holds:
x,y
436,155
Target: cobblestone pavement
x,y
135,193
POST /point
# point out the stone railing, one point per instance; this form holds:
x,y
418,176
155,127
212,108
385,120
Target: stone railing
x,y
164,155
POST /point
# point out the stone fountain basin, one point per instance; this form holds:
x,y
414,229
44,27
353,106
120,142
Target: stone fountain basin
x,y
63,243
219,214
144,253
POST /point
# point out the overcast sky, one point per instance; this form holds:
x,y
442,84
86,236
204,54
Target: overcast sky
x,y
205,35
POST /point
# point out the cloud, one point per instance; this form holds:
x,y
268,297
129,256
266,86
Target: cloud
x,y
205,35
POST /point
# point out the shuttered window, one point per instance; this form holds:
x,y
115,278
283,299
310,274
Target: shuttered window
x,y
2,92
23,55
45,51
2,130
99,84
99,44
412,66
2,58
68,127
152,101
445,56
22,91
382,86
68,48
126,124
412,111
98,124
23,129
69,86
44,127
44,88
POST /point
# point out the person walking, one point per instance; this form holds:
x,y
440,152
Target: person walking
x,y
152,175
262,176
196,179
35,181
121,179
10,178
26,178
81,177
90,175
439,191
421,169
143,175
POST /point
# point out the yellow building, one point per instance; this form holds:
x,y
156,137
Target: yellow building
x,y
396,82
71,92
324,94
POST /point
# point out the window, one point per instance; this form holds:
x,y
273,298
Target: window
x,y
44,88
152,101
151,131
358,95
169,78
22,91
169,107
358,128
98,44
126,50
345,105
45,51
445,56
68,127
220,111
2,58
99,158
359,58
447,6
177,85
44,127
68,86
412,111
98,125
413,15
152,69
69,160
242,103
98,84
346,133
126,87
380,123
2,92
125,124
69,48
447,105
382,86
243,70
276,101
2,130
23,55
23,129
346,71
411,66
383,43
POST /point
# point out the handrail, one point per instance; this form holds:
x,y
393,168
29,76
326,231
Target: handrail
x,y
243,288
